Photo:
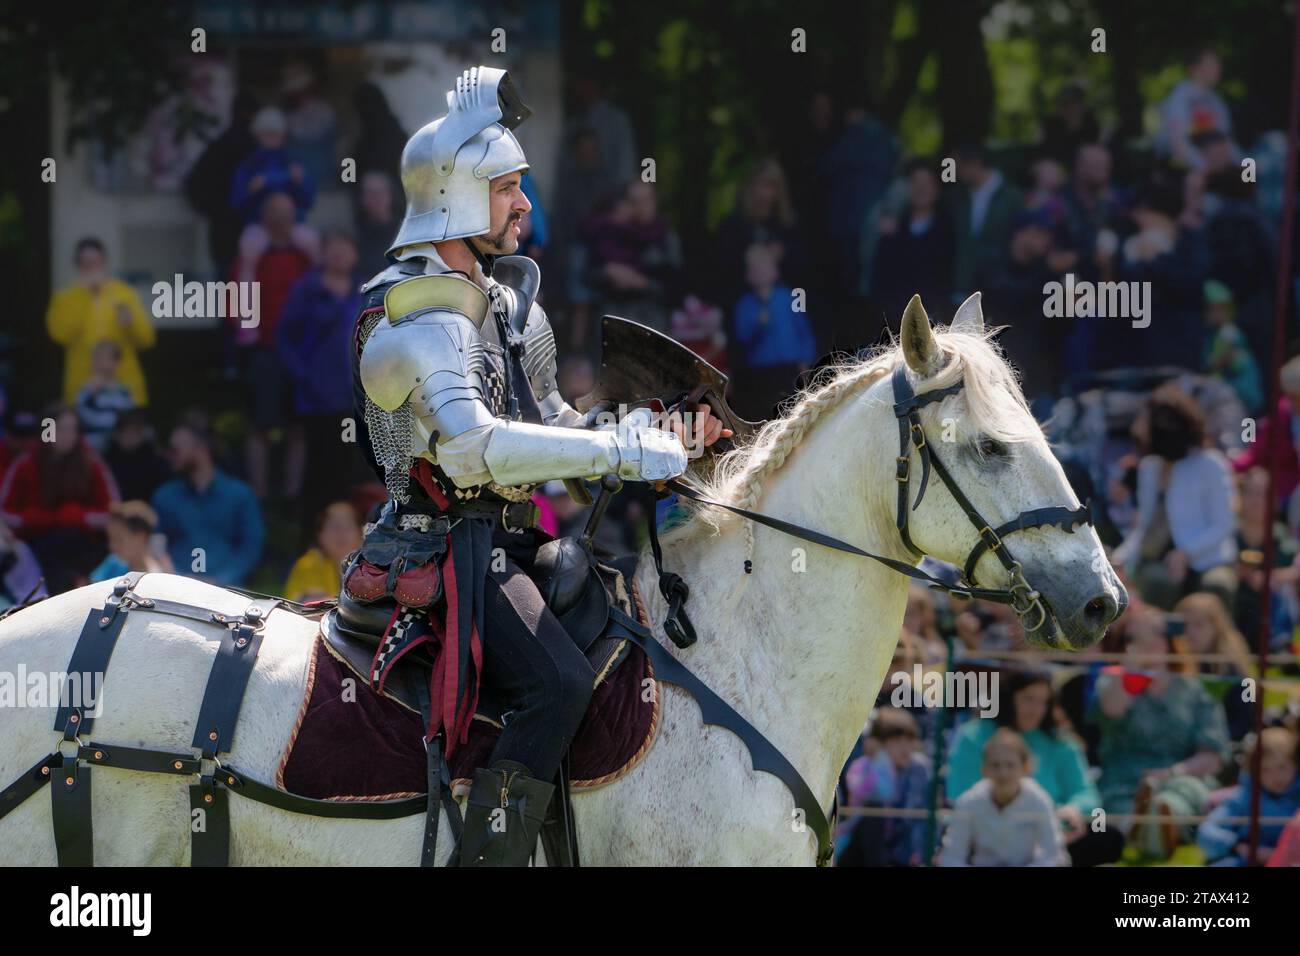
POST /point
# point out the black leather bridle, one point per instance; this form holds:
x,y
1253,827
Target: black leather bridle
x,y
907,407
1023,598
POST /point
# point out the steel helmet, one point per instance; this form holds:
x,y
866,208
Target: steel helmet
x,y
447,164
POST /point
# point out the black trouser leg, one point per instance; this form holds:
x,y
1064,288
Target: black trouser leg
x,y
1094,849
545,681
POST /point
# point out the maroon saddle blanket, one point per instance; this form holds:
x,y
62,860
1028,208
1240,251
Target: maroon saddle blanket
x,y
351,743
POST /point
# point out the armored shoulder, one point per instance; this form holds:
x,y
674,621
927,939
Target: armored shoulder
x,y
430,338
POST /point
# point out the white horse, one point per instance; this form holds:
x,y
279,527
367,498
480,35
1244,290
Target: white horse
x,y
799,647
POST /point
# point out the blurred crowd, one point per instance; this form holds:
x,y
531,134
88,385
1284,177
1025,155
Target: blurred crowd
x,y
1138,750
1166,427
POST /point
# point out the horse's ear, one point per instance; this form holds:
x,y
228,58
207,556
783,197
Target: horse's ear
x,y
920,350
970,316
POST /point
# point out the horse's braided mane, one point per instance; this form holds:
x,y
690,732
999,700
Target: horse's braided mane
x,y
739,475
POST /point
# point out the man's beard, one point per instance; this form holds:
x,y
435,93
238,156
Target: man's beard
x,y
502,243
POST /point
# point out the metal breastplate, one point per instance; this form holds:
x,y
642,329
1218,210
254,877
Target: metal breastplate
x,y
395,437
496,395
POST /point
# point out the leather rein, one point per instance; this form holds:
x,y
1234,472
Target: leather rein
x,y
911,437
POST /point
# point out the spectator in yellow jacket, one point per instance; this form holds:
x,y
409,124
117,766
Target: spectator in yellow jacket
x,y
316,574
94,309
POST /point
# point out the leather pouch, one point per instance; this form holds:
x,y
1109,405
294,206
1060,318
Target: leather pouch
x,y
400,559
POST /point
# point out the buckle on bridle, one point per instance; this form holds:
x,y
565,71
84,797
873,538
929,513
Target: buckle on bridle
x,y
918,434
904,471
991,539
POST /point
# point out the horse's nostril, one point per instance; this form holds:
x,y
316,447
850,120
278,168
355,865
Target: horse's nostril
x,y
1100,610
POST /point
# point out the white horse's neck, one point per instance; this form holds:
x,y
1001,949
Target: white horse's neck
x,y
801,645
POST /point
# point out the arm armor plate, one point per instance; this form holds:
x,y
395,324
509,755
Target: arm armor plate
x,y
436,362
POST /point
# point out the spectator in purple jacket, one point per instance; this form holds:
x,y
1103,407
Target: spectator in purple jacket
x,y
312,343
891,773
270,168
634,258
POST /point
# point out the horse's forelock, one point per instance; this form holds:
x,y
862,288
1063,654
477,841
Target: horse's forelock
x,y
995,404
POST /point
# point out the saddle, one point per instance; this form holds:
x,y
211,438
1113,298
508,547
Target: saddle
x,y
377,752
378,641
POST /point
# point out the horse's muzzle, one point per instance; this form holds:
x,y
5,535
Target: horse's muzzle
x,y
1091,616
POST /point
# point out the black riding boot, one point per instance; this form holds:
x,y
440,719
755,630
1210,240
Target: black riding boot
x,y
503,816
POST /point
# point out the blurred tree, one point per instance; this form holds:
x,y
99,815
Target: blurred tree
x,y
711,87
116,58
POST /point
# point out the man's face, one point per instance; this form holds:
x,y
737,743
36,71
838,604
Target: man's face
x,y
278,216
131,435
91,265
271,138
641,201
972,170
1217,155
1093,165
103,360
339,255
1036,240
1207,70
67,432
922,190
586,151
184,450
507,204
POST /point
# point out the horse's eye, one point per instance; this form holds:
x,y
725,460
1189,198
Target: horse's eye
x,y
992,448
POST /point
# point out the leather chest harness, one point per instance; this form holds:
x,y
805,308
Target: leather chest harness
x,y
68,768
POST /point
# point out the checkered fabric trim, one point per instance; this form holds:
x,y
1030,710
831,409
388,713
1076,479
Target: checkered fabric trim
x,y
401,637
495,384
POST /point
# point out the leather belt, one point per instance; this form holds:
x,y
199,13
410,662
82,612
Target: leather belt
x,y
513,516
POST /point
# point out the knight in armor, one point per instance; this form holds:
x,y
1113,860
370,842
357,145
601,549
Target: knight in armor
x,y
454,381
